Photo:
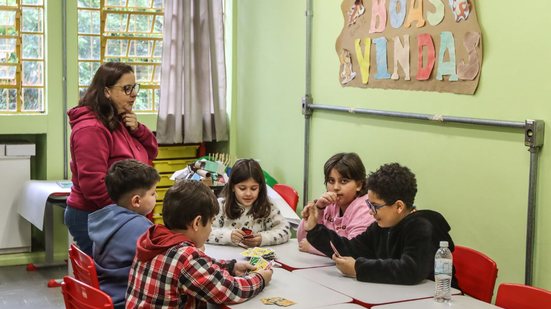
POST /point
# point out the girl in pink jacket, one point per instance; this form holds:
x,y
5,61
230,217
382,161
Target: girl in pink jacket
x,y
343,204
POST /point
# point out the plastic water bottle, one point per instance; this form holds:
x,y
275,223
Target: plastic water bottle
x,y
443,264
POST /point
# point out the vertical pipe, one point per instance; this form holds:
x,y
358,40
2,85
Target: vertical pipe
x,y
64,85
531,216
307,99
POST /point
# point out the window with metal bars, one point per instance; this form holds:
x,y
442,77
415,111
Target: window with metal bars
x,y
22,62
127,31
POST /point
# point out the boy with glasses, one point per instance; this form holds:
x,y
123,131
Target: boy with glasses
x,y
399,248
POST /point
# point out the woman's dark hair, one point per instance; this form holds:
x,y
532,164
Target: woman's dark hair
x,y
127,176
392,182
106,76
241,171
350,166
186,200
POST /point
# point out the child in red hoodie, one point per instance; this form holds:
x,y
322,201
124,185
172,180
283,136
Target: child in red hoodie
x,y
170,270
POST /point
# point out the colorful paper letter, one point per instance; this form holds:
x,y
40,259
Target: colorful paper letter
x,y
378,13
447,42
401,56
397,17
382,65
415,14
363,58
423,72
436,17
470,70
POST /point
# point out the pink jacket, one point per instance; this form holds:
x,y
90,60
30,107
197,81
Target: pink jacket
x,y
353,222
94,149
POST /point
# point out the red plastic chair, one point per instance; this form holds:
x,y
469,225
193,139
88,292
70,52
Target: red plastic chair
x,y
79,295
84,268
476,273
519,296
289,194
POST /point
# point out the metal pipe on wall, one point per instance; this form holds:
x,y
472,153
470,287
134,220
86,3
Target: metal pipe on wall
x,y
307,100
533,131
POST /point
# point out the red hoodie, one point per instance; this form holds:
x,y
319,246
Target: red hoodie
x,y
94,148
156,240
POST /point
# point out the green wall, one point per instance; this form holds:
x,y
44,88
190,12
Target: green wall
x,y
476,176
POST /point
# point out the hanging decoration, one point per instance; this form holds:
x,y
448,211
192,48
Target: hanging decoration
x,y
430,45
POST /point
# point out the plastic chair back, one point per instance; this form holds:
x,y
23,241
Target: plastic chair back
x,y
519,296
289,194
83,265
79,295
476,273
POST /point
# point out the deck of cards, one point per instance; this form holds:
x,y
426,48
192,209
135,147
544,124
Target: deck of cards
x,y
280,301
266,253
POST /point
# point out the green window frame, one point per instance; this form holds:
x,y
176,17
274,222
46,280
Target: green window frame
x,y
22,56
127,31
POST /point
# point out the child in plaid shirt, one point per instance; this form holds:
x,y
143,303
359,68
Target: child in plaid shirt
x,y
169,269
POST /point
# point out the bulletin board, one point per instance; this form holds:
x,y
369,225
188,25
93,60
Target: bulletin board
x,y
427,45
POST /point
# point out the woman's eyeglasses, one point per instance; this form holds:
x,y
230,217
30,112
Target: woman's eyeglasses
x,y
374,207
129,89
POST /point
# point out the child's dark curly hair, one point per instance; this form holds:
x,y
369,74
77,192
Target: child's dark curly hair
x,y
392,182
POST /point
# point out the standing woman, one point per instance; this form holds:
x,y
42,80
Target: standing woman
x,y
104,130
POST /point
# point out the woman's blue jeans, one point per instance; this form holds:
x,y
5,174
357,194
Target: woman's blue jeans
x,y
76,221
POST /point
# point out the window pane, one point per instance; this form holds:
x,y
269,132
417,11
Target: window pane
x,y
7,51
140,48
140,23
115,3
143,73
157,74
158,4
33,73
116,22
158,49
32,99
32,19
92,4
88,22
32,46
158,28
142,100
8,100
7,74
7,18
157,98
116,48
31,2
8,2
139,3
86,71
88,48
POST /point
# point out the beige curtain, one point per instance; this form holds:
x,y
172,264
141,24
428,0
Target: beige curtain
x,y
192,107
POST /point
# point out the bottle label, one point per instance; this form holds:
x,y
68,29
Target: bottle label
x,y
443,266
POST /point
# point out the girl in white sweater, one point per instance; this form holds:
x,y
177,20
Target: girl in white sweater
x,y
246,215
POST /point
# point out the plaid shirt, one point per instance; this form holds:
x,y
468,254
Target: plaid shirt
x,y
184,277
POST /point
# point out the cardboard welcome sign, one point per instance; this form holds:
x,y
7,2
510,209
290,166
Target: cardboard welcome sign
x,y
430,45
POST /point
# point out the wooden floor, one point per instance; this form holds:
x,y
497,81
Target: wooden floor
x,y
22,289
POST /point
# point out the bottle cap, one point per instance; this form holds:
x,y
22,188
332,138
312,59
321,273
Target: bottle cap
x,y
444,243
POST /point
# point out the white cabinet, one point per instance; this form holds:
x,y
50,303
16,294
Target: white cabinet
x,y
15,169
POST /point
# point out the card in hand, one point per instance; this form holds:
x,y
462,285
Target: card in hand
x,y
248,232
334,249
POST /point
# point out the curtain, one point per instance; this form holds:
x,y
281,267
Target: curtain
x,y
192,107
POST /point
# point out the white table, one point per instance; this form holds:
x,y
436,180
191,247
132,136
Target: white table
x,y
305,293
343,306
287,254
458,301
365,292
